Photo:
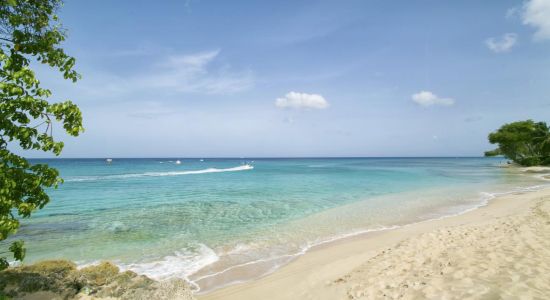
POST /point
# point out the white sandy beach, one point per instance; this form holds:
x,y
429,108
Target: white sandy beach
x,y
500,251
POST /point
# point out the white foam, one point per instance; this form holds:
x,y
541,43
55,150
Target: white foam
x,y
290,256
181,265
159,174
485,198
239,248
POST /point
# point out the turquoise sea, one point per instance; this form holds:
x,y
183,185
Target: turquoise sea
x,y
217,221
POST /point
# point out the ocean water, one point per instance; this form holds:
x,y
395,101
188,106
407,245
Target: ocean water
x,y
218,221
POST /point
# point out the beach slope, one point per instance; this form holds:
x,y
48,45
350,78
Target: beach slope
x,y
499,251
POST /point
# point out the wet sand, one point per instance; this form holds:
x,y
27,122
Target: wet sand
x,y
498,251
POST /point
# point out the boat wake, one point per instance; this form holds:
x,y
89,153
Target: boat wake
x,y
158,174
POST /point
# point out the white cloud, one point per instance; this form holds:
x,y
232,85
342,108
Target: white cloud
x,y
198,60
513,12
302,101
194,73
502,44
199,73
536,13
427,98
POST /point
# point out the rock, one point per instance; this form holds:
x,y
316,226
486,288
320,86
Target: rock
x,y
61,279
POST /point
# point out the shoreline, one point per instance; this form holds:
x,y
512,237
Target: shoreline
x,y
234,273
206,233
308,274
335,268
208,278
327,242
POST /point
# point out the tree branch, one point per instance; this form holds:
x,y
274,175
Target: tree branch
x,y
7,40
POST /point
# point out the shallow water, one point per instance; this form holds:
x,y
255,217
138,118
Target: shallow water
x,y
222,220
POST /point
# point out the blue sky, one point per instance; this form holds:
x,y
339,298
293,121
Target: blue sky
x,y
202,78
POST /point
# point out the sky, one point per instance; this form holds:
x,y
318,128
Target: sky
x,y
203,78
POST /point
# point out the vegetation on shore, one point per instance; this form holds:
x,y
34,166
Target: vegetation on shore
x,y
526,143
30,33
60,279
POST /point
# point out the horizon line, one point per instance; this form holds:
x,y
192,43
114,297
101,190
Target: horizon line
x,y
261,157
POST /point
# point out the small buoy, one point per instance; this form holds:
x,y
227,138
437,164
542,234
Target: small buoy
x,y
178,162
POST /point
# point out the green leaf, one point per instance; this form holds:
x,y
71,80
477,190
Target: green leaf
x,y
3,263
524,142
31,32
18,250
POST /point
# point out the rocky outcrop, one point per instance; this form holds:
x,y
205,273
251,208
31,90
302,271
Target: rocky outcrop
x,y
61,279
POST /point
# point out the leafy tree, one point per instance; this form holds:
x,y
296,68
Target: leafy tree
x,y
30,32
525,142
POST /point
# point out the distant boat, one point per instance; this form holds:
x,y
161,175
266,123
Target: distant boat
x,y
178,162
109,160
202,159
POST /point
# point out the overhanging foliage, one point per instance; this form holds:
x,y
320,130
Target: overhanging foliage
x,y
29,31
